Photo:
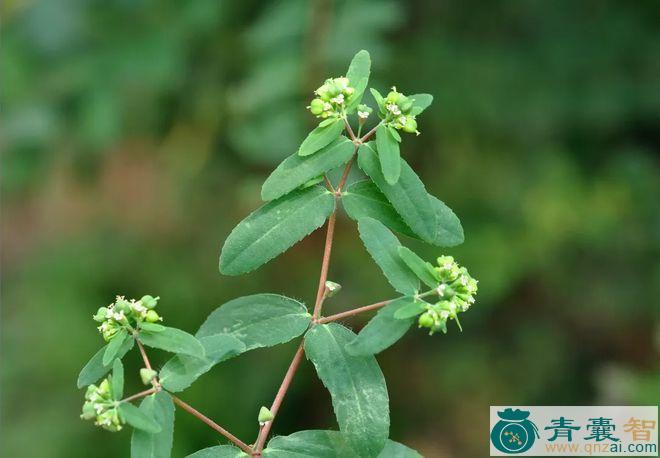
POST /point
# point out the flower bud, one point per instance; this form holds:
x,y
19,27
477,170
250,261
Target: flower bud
x,y
88,411
147,375
332,288
121,305
426,320
101,314
393,96
316,107
265,415
149,301
152,316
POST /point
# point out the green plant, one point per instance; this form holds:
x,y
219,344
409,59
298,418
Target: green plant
x,y
300,199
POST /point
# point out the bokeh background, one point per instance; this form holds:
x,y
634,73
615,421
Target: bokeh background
x,y
136,134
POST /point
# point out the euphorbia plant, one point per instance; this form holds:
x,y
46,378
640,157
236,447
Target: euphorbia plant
x,y
301,198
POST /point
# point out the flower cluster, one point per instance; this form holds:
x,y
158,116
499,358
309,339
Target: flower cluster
x,y
331,98
455,293
397,111
363,112
126,314
101,405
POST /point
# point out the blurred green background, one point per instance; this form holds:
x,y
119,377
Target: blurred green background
x,y
136,134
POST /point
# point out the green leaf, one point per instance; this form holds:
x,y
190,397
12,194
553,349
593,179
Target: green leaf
x,y
422,269
320,137
240,325
117,379
112,349
410,310
448,231
297,170
383,246
408,195
357,387
358,77
421,103
173,340
274,228
95,369
326,444
380,101
181,370
388,153
152,327
160,407
138,419
364,199
219,451
382,331
393,132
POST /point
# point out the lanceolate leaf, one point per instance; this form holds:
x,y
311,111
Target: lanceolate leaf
x,y
260,320
138,419
95,369
297,170
320,137
408,195
160,407
112,349
410,310
421,268
364,199
357,387
421,103
118,379
326,444
449,231
382,331
274,228
358,77
242,324
379,99
388,153
181,371
219,451
173,340
383,246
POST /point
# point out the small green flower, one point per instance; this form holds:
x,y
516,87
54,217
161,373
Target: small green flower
x,y
126,314
265,415
147,375
101,406
396,112
332,98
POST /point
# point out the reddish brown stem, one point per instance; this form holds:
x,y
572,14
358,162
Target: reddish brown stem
x,y
147,364
369,134
366,308
194,412
279,397
350,130
325,264
141,394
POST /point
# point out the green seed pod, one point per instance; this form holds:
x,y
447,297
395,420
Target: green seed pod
x,y
147,375
405,104
101,314
152,316
265,415
122,305
149,301
333,89
426,320
411,125
316,107
393,97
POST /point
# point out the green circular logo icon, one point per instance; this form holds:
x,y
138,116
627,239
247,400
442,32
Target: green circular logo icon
x,y
514,433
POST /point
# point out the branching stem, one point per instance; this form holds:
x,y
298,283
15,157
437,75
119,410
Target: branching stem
x,y
366,308
141,394
194,412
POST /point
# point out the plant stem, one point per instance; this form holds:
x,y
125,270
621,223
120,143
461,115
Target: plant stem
x,y
370,133
325,264
194,412
141,394
279,397
147,364
366,308
349,129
